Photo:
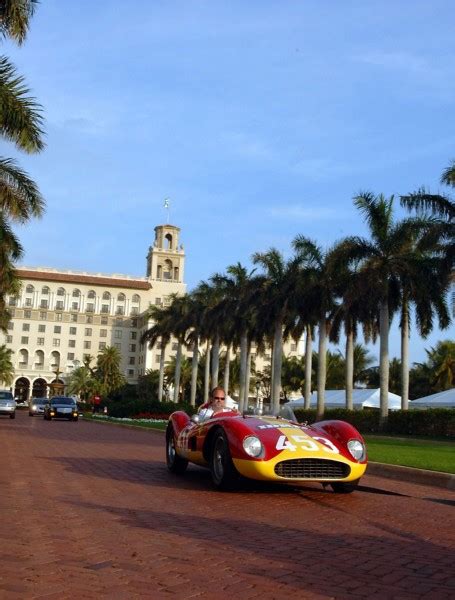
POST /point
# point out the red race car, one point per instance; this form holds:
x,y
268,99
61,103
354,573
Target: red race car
x,y
266,448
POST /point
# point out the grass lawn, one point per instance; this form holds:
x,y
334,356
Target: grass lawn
x,y
421,454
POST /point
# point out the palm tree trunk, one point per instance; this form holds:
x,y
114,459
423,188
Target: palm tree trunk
x,y
227,365
349,369
243,365
308,366
322,366
277,360
194,369
178,369
384,360
161,376
247,376
215,360
207,373
404,357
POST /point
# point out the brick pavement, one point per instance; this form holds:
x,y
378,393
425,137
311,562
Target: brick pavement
x,y
90,511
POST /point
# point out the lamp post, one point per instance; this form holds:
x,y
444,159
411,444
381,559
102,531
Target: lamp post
x,y
258,400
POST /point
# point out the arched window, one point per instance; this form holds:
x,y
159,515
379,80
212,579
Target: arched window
x,y
76,293
91,294
167,270
23,357
168,241
55,358
29,289
106,296
45,290
61,291
39,358
121,297
136,298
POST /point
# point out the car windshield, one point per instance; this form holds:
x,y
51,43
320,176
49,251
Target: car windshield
x,y
6,395
66,401
39,400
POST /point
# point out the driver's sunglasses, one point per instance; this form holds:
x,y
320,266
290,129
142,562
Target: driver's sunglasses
x,y
218,397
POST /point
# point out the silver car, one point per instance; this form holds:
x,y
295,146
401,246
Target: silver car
x,y
7,404
36,406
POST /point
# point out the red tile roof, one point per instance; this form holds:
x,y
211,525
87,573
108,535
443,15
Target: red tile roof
x,y
134,284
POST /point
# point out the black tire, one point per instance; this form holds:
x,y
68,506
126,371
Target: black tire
x,y
12,415
30,414
175,463
224,474
340,487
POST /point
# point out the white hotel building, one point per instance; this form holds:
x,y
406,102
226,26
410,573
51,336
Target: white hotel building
x,y
61,316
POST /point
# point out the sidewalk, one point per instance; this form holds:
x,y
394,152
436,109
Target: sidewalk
x,y
411,475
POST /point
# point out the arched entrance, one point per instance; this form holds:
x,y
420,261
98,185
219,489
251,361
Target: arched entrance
x,y
22,389
39,389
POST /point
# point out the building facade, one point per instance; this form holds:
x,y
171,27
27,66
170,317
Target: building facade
x,y
62,316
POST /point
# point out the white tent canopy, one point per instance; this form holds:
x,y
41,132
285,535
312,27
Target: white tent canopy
x,y
364,398
444,399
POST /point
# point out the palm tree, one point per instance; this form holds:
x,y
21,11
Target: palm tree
x,y
386,267
21,123
15,17
6,366
108,369
277,297
82,383
317,300
159,332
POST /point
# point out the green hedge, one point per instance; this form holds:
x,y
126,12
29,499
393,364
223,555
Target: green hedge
x,y
434,422
133,407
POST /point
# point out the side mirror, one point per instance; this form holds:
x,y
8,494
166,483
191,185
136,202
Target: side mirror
x,y
195,419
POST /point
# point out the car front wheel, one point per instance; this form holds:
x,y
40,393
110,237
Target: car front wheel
x,y
341,487
175,463
224,474
12,416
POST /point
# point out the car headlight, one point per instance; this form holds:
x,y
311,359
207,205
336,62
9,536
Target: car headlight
x,y
34,407
252,446
357,449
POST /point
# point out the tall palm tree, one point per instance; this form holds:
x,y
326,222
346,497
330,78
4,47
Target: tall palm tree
x,y
159,332
277,306
6,366
385,264
317,299
21,123
15,18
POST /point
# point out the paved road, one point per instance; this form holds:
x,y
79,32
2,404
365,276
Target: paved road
x,y
89,511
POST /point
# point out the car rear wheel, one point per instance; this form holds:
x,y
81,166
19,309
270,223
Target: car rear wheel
x,y
224,474
12,416
175,463
341,487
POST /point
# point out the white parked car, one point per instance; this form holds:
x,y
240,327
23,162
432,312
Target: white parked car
x,y
7,404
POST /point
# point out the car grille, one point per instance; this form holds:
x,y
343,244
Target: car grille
x,y
312,468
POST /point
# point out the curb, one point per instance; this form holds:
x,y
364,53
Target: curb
x,y
411,475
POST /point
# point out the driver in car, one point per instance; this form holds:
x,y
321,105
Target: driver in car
x,y
215,405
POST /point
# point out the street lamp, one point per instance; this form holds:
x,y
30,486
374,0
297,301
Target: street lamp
x,y
258,400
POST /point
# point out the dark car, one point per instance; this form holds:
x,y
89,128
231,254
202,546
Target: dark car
x,y
7,404
36,406
61,407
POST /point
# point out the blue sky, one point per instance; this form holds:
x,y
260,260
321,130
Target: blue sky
x,y
259,120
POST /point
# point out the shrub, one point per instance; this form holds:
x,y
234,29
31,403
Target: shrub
x,y
156,410
435,422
